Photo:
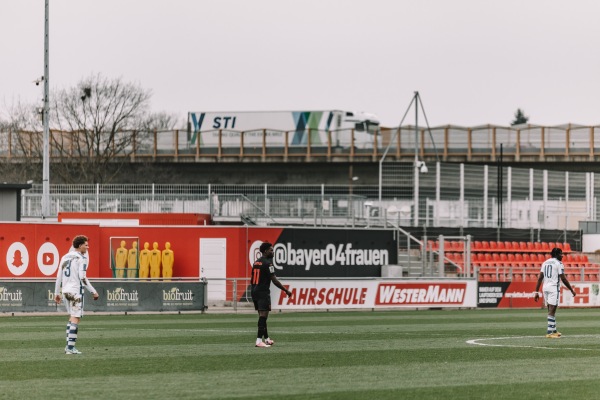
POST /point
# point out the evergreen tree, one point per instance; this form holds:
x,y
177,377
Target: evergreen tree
x,y
520,118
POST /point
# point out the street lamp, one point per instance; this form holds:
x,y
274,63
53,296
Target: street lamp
x,y
45,118
419,166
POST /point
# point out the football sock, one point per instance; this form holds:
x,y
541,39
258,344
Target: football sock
x,y
262,327
72,335
68,330
551,324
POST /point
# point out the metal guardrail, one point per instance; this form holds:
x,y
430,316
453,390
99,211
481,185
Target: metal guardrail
x,y
450,195
449,143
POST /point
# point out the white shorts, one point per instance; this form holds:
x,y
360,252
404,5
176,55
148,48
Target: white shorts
x,y
73,304
552,297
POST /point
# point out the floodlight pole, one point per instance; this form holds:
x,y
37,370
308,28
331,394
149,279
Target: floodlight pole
x,y
46,118
416,169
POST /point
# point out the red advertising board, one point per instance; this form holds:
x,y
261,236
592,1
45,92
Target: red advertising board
x,y
299,252
34,250
521,295
375,293
417,294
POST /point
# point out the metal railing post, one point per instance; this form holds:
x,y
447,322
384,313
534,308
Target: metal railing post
x,y
441,257
235,294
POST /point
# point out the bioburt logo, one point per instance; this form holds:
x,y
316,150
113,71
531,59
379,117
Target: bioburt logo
x,y
254,253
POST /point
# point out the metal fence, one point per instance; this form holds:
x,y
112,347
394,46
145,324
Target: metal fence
x,y
449,195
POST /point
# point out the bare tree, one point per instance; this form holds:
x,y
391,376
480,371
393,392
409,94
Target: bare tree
x,y
95,127
19,137
160,121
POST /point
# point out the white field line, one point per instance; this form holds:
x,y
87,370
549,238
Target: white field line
x,y
479,342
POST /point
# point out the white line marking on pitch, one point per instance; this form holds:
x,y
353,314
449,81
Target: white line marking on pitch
x,y
477,342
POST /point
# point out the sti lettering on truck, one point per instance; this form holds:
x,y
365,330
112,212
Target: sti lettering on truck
x,y
226,127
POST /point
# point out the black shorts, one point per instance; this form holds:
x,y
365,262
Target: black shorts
x,y
262,301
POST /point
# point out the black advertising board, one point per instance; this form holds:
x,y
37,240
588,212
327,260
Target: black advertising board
x,y
36,296
334,253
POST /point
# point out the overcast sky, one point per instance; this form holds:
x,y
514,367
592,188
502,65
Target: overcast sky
x,y
474,62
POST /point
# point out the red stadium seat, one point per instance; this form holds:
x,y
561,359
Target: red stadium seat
x,y
485,245
488,257
476,245
503,257
517,277
508,246
523,246
532,277
537,246
546,247
511,257
493,245
519,258
566,248
530,247
515,246
501,246
473,258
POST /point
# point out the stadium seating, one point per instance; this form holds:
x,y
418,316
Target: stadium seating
x,y
520,261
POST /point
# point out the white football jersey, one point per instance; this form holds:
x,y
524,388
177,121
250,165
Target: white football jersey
x,y
71,274
552,268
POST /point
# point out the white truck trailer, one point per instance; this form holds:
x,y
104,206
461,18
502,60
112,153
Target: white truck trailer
x,y
344,127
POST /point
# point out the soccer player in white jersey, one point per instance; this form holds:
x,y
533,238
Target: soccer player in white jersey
x,y
71,277
551,273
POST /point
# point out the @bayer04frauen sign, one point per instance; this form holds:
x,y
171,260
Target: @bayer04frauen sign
x,y
114,296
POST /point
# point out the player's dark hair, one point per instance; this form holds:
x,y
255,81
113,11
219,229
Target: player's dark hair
x,y
79,240
556,252
265,246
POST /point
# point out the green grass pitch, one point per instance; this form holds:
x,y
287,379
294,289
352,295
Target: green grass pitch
x,y
431,354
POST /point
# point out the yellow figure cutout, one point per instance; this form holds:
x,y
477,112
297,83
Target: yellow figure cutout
x,y
155,257
121,260
132,261
168,258
145,261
